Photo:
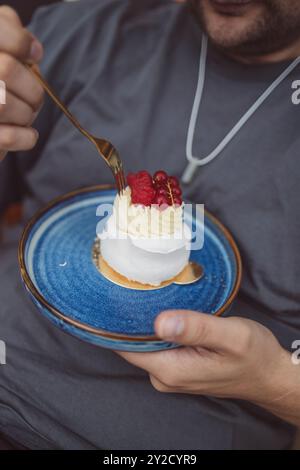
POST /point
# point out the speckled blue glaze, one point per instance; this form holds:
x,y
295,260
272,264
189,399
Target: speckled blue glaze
x,y
58,261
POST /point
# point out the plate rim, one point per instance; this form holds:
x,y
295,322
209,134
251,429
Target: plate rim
x,y
83,326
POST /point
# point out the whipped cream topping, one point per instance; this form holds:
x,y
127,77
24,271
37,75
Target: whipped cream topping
x,y
149,228
149,222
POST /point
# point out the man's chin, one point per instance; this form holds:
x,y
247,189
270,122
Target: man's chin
x,y
229,30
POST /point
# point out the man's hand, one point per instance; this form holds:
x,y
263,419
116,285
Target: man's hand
x,y
222,357
24,95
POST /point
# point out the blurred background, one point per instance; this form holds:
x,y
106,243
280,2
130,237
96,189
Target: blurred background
x,y
26,8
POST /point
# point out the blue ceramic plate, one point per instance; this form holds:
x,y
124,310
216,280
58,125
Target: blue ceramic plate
x,y
55,255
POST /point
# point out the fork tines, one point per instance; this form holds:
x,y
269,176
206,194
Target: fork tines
x,y
121,182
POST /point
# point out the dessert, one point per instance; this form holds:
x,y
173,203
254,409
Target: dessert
x,y
145,239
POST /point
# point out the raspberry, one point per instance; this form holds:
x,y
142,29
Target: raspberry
x,y
140,178
142,188
163,190
143,196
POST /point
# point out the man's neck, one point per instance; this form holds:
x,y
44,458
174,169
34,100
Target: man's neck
x,y
287,53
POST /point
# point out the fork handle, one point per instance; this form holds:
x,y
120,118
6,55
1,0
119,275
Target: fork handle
x,y
33,68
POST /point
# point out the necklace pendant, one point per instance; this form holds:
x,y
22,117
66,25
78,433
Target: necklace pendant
x,y
189,173
190,170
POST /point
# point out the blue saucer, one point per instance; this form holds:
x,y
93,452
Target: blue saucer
x,y
56,264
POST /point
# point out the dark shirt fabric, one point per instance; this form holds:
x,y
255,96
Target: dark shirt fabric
x,y
128,70
26,9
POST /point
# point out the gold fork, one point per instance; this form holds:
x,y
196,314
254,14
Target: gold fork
x,y
105,148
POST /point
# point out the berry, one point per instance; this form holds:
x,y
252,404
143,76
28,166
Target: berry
x,y
144,197
142,188
176,191
173,182
130,179
161,200
177,201
161,186
142,177
162,191
160,177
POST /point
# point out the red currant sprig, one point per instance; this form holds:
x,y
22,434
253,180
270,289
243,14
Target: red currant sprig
x,y
168,190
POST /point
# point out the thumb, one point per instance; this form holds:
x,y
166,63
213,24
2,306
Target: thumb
x,y
197,329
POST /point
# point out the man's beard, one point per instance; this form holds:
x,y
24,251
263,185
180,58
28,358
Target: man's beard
x,y
276,29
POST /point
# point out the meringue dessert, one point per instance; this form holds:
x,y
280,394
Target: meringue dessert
x,y
145,239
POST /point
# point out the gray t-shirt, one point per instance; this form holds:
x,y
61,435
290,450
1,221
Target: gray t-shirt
x,y
128,71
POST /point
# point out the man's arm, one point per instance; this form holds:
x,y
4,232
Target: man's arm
x,y
21,100
24,95
226,358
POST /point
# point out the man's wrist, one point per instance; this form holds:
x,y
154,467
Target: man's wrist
x,y
282,389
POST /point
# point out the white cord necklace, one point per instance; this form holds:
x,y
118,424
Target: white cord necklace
x,y
195,162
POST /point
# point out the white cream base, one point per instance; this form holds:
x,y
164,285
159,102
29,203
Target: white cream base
x,y
140,265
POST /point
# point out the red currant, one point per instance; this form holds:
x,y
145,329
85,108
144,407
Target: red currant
x,y
162,191
176,191
161,200
160,177
177,201
173,182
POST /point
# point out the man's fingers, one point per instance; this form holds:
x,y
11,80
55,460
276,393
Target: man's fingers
x,y
152,362
16,40
16,111
158,385
20,81
14,138
197,329
147,361
24,95
11,14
